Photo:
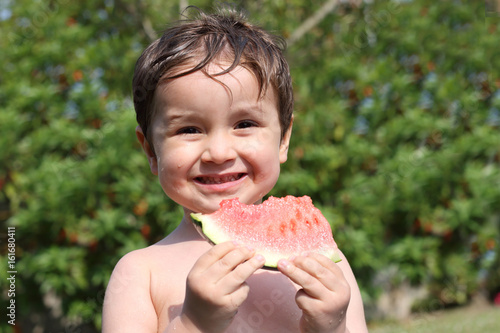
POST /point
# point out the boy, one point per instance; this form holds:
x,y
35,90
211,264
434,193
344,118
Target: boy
x,y
214,104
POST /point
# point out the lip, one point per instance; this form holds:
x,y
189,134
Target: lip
x,y
220,182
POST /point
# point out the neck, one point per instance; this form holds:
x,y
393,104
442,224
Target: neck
x,y
188,228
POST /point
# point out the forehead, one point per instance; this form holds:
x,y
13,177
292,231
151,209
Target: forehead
x,y
212,83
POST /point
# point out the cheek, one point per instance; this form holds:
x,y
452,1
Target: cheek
x,y
172,167
265,143
263,154
252,148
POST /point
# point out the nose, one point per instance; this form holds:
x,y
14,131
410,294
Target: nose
x,y
219,148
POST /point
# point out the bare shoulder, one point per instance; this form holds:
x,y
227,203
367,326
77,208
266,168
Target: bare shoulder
x,y
153,280
137,268
131,268
127,291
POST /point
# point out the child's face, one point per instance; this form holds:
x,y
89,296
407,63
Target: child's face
x,y
214,142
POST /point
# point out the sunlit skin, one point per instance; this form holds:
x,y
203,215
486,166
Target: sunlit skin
x,y
214,141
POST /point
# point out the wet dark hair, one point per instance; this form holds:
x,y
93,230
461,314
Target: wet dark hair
x,y
192,44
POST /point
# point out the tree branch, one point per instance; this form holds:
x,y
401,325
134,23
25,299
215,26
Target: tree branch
x,y
312,21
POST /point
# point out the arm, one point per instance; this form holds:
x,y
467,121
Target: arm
x,y
215,288
356,321
329,299
127,304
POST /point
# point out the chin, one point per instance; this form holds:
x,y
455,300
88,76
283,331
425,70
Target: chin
x,y
204,209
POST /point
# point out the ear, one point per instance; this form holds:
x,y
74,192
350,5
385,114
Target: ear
x,y
285,143
153,162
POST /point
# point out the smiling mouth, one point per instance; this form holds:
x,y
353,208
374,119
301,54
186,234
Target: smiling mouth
x,y
219,179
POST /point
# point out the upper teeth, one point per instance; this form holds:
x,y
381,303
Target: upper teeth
x,y
218,180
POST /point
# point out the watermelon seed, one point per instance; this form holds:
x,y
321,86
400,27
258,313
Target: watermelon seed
x,y
293,225
298,214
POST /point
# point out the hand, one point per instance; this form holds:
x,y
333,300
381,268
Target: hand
x,y
325,292
216,287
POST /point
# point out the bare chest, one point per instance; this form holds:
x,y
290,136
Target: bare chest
x,y
270,306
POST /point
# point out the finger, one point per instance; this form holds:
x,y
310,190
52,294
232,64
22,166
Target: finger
x,y
239,295
327,263
232,259
328,273
338,282
317,271
305,302
213,255
322,268
309,283
244,270
198,280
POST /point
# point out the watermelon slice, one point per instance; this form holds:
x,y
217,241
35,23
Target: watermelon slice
x,y
278,228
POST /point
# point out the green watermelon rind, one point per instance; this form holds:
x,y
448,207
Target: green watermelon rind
x,y
208,228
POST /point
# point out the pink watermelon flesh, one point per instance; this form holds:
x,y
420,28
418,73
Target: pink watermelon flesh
x,y
278,228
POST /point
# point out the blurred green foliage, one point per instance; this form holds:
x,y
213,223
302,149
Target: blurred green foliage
x,y
396,138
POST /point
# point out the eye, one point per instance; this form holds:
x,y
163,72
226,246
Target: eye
x,y
245,124
188,130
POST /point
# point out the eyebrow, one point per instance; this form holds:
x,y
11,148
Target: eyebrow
x,y
174,116
250,109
